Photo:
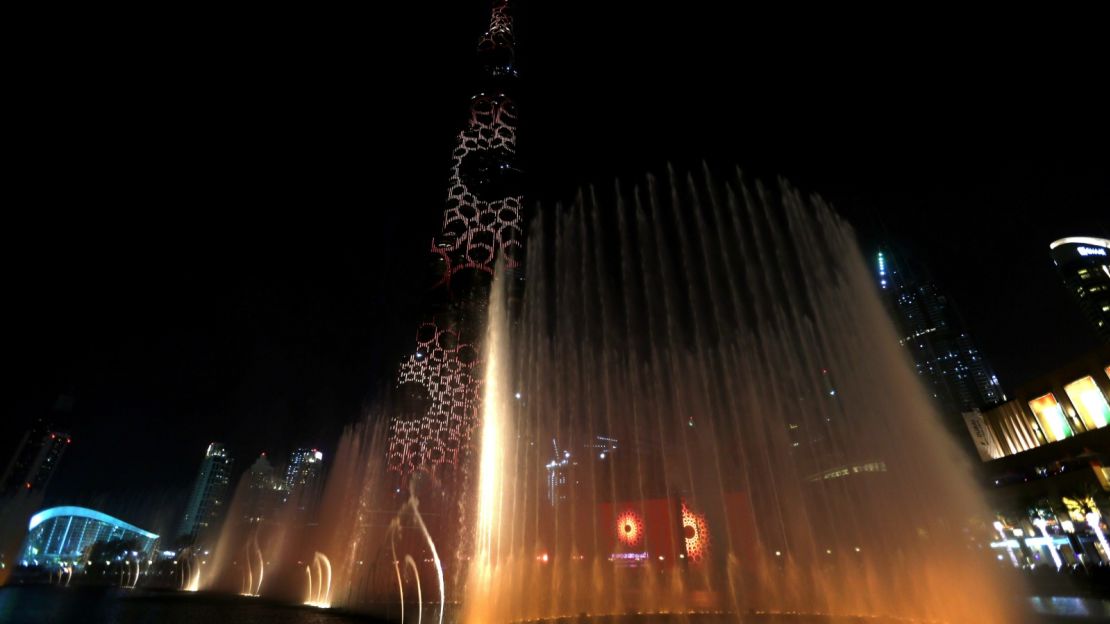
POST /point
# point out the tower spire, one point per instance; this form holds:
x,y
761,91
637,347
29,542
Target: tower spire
x,y
482,221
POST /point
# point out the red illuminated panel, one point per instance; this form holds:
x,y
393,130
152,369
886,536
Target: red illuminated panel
x,y
695,532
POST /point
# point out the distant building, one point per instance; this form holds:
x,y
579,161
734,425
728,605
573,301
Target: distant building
x,y
39,452
64,535
265,491
1084,263
210,494
304,479
953,369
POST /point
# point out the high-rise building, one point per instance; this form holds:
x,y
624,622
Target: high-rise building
x,y
482,221
38,454
1084,263
953,369
35,460
210,495
265,491
304,479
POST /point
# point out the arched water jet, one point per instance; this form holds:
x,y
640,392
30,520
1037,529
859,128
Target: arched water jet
x,y
411,563
319,592
190,569
411,507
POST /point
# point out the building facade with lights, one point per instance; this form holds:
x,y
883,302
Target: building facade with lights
x,y
209,499
482,222
304,479
953,369
1046,466
1084,264
62,536
35,461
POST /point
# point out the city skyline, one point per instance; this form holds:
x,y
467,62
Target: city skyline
x,y
500,313
201,323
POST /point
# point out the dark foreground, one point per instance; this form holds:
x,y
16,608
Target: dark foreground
x,y
91,605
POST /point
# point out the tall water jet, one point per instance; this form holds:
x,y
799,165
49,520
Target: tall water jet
x,y
735,427
483,580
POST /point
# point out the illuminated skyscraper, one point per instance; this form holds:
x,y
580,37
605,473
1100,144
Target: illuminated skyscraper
x,y
953,369
210,495
481,221
304,479
1084,263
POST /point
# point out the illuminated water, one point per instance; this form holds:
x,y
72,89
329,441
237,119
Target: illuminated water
x,y
697,405
714,414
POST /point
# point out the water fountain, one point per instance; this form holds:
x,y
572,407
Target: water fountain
x,y
696,410
740,431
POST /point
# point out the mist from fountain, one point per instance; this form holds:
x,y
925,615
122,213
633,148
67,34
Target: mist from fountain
x,y
712,413
697,404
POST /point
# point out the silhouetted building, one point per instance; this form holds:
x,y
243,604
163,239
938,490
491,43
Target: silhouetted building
x,y
304,479
210,494
1084,263
265,491
38,453
953,369
35,460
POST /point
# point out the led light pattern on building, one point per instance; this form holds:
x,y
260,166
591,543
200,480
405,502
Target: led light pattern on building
x,y
482,221
695,533
630,528
483,213
444,367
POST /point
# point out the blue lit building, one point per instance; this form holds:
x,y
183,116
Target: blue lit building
x,y
66,534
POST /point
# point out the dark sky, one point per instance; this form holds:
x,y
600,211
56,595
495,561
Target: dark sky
x,y
213,226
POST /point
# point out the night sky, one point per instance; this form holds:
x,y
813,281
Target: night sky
x,y
214,233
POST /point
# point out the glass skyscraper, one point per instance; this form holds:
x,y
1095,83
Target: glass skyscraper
x,y
1084,263
951,366
210,494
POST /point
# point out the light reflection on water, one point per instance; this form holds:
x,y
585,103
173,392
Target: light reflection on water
x,y
51,605
1071,606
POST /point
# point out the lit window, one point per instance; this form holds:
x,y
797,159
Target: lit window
x,y
1048,411
1088,401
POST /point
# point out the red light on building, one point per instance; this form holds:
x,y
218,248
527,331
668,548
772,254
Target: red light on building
x,y
630,528
695,532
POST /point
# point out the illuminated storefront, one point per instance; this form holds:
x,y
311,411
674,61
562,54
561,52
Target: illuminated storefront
x,y
1057,408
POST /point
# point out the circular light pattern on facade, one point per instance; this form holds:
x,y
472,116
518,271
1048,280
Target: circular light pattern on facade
x,y
695,533
630,528
445,367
